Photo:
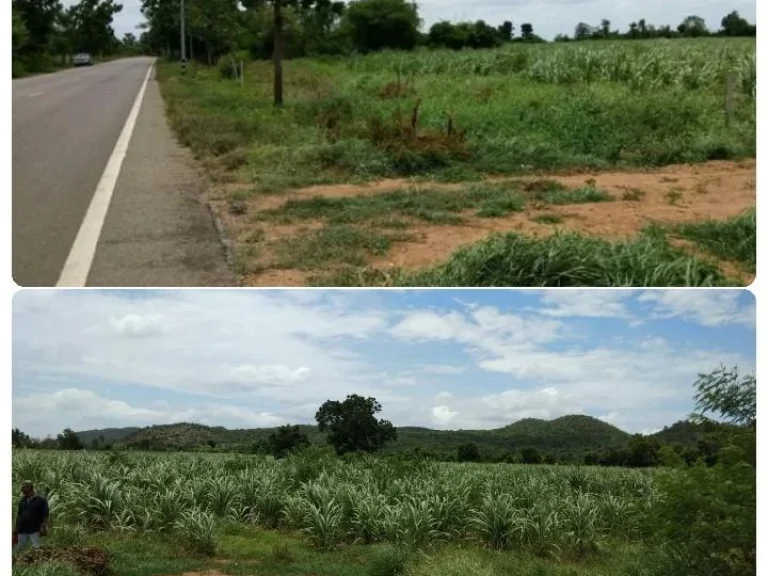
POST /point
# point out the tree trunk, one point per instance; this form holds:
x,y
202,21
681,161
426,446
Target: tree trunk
x,y
277,54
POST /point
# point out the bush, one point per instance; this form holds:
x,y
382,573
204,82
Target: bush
x,y
706,521
390,561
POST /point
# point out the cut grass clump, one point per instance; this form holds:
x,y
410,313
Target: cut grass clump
x,y
390,561
554,193
563,259
430,205
569,260
548,219
734,239
333,245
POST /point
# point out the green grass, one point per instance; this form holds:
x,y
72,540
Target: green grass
x,y
332,245
548,219
734,239
429,205
244,550
545,107
435,206
562,260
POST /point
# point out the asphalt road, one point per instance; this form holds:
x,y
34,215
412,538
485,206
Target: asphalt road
x,y
157,232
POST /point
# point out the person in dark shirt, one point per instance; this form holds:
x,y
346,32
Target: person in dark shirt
x,y
31,518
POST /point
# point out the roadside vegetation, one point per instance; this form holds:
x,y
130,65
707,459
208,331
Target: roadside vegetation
x,y
46,35
382,168
357,513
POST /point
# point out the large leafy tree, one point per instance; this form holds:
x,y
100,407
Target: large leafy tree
x,y
378,24
693,26
19,439
214,23
285,440
90,23
352,425
39,19
163,25
68,440
735,25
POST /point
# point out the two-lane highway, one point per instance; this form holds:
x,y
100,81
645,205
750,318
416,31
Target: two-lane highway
x,y
66,127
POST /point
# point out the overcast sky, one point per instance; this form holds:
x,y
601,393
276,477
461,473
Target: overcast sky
x,y
549,17
441,359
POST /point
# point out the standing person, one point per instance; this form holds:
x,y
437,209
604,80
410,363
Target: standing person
x,y
31,518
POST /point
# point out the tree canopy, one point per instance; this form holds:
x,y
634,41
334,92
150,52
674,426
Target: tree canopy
x,y
352,425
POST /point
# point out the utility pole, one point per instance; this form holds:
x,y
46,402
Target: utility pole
x,y
183,41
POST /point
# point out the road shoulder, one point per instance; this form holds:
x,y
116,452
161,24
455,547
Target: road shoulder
x,y
159,231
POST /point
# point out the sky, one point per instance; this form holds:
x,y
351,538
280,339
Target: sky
x,y
549,17
443,359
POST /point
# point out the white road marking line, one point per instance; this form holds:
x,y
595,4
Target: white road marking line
x,y
36,94
80,259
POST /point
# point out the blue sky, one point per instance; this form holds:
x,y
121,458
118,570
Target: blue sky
x,y
444,359
549,17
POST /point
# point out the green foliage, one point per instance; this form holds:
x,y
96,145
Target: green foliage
x,y
197,528
706,520
468,452
390,561
530,455
352,425
733,239
68,440
566,259
285,440
375,25
724,394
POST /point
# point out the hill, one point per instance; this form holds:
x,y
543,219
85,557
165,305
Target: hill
x,y
109,435
568,436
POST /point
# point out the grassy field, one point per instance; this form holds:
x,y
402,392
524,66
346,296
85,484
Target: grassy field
x,y
231,515
395,168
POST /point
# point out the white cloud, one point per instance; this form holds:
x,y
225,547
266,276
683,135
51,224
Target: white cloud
x,y
586,303
546,403
274,375
245,358
83,409
443,414
706,307
135,326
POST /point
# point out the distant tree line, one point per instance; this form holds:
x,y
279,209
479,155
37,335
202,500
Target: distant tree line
x,y
351,426
296,28
731,25
45,34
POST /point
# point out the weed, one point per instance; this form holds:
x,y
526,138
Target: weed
x,y
281,553
333,245
548,219
734,239
673,195
563,259
632,194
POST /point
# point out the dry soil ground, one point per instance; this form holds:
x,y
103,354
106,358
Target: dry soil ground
x,y
671,195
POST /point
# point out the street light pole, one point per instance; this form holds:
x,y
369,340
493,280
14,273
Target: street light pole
x,y
183,40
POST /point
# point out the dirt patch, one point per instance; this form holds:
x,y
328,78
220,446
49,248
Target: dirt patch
x,y
672,195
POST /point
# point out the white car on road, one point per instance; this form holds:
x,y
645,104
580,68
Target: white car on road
x,y
82,59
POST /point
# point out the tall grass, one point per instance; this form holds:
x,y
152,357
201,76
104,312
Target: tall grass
x,y
537,509
509,110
